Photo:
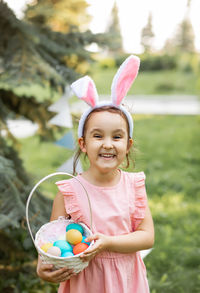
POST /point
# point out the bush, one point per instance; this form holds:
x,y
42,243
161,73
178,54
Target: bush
x,y
107,63
157,62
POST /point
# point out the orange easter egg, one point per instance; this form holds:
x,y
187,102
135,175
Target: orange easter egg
x,y
80,247
74,236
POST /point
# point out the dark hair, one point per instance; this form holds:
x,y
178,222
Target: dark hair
x,y
110,109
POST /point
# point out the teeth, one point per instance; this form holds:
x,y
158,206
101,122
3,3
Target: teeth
x,y
107,156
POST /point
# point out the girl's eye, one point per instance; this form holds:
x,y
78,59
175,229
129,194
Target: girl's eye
x,y
117,136
97,136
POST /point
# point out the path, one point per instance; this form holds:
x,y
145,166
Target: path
x,y
156,105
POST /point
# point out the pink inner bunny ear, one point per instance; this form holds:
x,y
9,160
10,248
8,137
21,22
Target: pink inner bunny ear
x,y
84,88
124,78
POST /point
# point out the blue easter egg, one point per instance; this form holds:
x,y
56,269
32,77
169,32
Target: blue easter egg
x,y
83,241
67,254
75,226
63,245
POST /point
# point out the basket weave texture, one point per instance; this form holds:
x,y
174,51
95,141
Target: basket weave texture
x,y
50,232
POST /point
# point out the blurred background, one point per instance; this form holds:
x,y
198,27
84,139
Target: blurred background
x,y
47,44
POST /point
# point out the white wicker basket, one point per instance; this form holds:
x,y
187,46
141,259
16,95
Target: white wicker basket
x,y
50,231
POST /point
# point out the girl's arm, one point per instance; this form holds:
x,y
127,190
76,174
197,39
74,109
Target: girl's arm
x,y
142,238
46,271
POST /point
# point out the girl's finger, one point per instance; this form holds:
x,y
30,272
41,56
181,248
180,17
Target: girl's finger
x,y
61,272
92,237
46,267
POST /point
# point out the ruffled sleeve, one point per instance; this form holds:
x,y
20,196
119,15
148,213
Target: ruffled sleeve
x,y
140,199
70,200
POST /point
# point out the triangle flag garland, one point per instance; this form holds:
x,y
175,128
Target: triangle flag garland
x,y
68,166
67,141
63,118
59,105
62,102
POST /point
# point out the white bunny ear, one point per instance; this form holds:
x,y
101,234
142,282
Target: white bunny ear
x,y
124,78
84,88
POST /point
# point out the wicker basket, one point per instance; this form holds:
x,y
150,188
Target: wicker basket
x,y
49,233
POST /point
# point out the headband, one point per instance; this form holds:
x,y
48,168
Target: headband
x,y
84,88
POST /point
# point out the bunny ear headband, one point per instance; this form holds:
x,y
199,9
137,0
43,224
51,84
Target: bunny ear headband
x,y
84,88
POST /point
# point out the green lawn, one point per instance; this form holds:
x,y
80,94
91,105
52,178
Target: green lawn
x,y
149,83
168,150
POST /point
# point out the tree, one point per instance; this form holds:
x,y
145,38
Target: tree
x,y
183,41
33,72
59,15
34,65
113,30
147,36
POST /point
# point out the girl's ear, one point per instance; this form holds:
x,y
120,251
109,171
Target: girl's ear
x,y
82,144
130,143
84,88
124,78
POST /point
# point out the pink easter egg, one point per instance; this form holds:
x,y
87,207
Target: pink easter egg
x,y
54,250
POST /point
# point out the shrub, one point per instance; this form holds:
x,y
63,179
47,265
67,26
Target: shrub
x,y
107,63
157,62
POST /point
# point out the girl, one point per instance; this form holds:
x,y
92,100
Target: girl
x,y
122,220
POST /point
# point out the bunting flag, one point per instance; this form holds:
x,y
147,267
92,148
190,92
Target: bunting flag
x,y
63,118
59,105
68,166
145,252
67,141
62,102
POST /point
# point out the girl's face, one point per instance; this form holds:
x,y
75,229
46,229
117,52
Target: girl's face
x,y
106,141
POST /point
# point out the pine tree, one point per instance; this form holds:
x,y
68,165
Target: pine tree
x,y
184,38
147,36
36,65
33,72
115,40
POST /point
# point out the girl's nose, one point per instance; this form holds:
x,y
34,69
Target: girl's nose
x,y
107,144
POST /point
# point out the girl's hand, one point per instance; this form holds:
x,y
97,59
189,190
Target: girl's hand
x,y
101,244
46,272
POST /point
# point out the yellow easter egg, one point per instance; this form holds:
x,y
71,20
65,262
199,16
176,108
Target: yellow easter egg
x,y
74,236
46,246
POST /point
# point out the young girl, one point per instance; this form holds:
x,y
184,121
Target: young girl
x,y
122,222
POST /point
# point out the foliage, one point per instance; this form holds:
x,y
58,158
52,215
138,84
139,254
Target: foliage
x,y
33,56
16,249
115,45
35,67
158,62
147,35
58,15
184,39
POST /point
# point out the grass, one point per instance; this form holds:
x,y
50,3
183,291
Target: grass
x,y
169,154
149,83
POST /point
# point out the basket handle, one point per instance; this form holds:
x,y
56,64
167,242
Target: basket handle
x,y
42,180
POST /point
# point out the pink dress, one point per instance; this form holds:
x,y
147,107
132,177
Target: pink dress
x,y
116,210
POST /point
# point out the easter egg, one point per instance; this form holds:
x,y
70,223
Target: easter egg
x,y
80,247
54,250
63,245
75,226
83,240
46,246
73,236
67,254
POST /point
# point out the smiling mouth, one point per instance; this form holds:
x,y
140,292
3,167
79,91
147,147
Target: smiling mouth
x,y
107,156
